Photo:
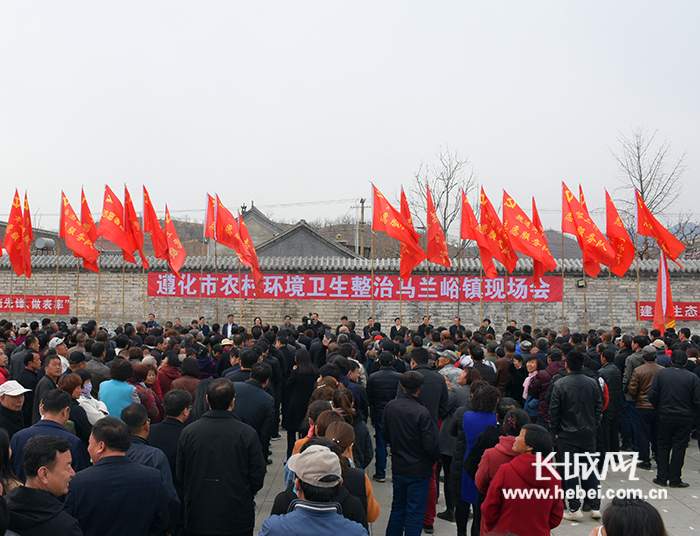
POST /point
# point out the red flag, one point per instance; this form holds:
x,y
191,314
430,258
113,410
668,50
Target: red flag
x,y
27,238
210,218
471,230
410,256
593,244
496,236
524,235
228,234
648,225
389,220
252,256
77,240
112,224
152,225
664,314
132,227
437,247
14,235
90,230
619,239
538,267
589,264
176,251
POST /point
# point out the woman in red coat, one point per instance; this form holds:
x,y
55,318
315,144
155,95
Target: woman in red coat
x,y
522,515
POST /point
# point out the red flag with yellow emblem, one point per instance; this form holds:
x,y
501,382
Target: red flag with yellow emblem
x,y
27,238
14,233
90,229
228,233
210,218
112,224
619,239
72,231
437,246
471,230
648,225
252,256
524,235
132,227
176,251
496,236
152,225
411,256
538,267
387,219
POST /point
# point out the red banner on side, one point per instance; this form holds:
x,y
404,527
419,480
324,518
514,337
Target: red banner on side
x,y
355,287
36,304
689,311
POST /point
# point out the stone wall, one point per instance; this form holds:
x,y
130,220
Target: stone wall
x,y
685,286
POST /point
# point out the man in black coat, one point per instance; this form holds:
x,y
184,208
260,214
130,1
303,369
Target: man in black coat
x,y
34,507
53,369
116,496
410,429
255,407
675,393
381,388
610,425
220,489
28,379
12,400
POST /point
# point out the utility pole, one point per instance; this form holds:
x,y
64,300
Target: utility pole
x,y
362,227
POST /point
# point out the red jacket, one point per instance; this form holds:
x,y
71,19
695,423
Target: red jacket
x,y
166,376
523,516
491,462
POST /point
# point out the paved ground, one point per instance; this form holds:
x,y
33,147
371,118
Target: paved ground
x,y
680,511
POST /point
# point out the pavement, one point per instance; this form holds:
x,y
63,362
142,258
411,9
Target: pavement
x,y
680,510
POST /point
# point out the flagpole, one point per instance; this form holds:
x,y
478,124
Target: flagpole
x,y
143,274
612,320
99,278
562,281
459,286
77,290
506,285
167,298
639,299
371,249
481,292
55,299
427,292
25,298
201,275
9,312
400,301
216,271
123,292
240,296
585,303
534,307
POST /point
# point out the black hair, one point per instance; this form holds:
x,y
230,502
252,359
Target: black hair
x,y
121,370
486,399
317,494
420,356
7,476
411,382
28,358
113,432
221,393
42,451
514,420
98,349
135,417
538,438
477,353
555,354
190,367
304,364
330,369
505,404
574,360
679,357
176,401
55,401
261,372
248,358
632,516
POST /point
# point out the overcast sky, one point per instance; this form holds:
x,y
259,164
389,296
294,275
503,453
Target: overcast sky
x,y
306,103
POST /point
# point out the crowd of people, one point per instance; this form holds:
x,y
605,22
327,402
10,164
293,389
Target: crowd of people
x,y
152,429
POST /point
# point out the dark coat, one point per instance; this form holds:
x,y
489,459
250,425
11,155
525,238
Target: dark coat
x,y
613,378
35,512
576,406
44,385
362,450
219,489
540,384
487,373
434,392
11,421
351,506
117,497
456,430
412,433
458,397
83,428
165,436
675,392
381,388
256,408
200,407
29,380
514,387
300,388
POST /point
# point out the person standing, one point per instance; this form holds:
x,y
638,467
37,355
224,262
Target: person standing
x,y
53,371
675,393
647,416
29,379
219,490
610,425
300,386
409,428
575,411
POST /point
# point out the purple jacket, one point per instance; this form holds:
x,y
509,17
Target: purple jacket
x,y
540,384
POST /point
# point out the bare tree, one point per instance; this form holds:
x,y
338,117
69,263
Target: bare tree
x,y
649,168
446,180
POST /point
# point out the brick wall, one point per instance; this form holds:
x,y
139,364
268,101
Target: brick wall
x,y
685,286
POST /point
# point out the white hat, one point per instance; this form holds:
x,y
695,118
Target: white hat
x,y
56,341
12,388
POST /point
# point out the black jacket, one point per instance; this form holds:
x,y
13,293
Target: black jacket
x,y
83,428
256,408
576,406
350,505
362,450
456,429
621,357
434,393
413,435
219,489
28,379
381,388
487,373
459,396
35,512
165,436
11,421
675,392
613,378
514,387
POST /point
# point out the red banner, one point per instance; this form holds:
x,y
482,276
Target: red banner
x,y
689,311
355,287
36,304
